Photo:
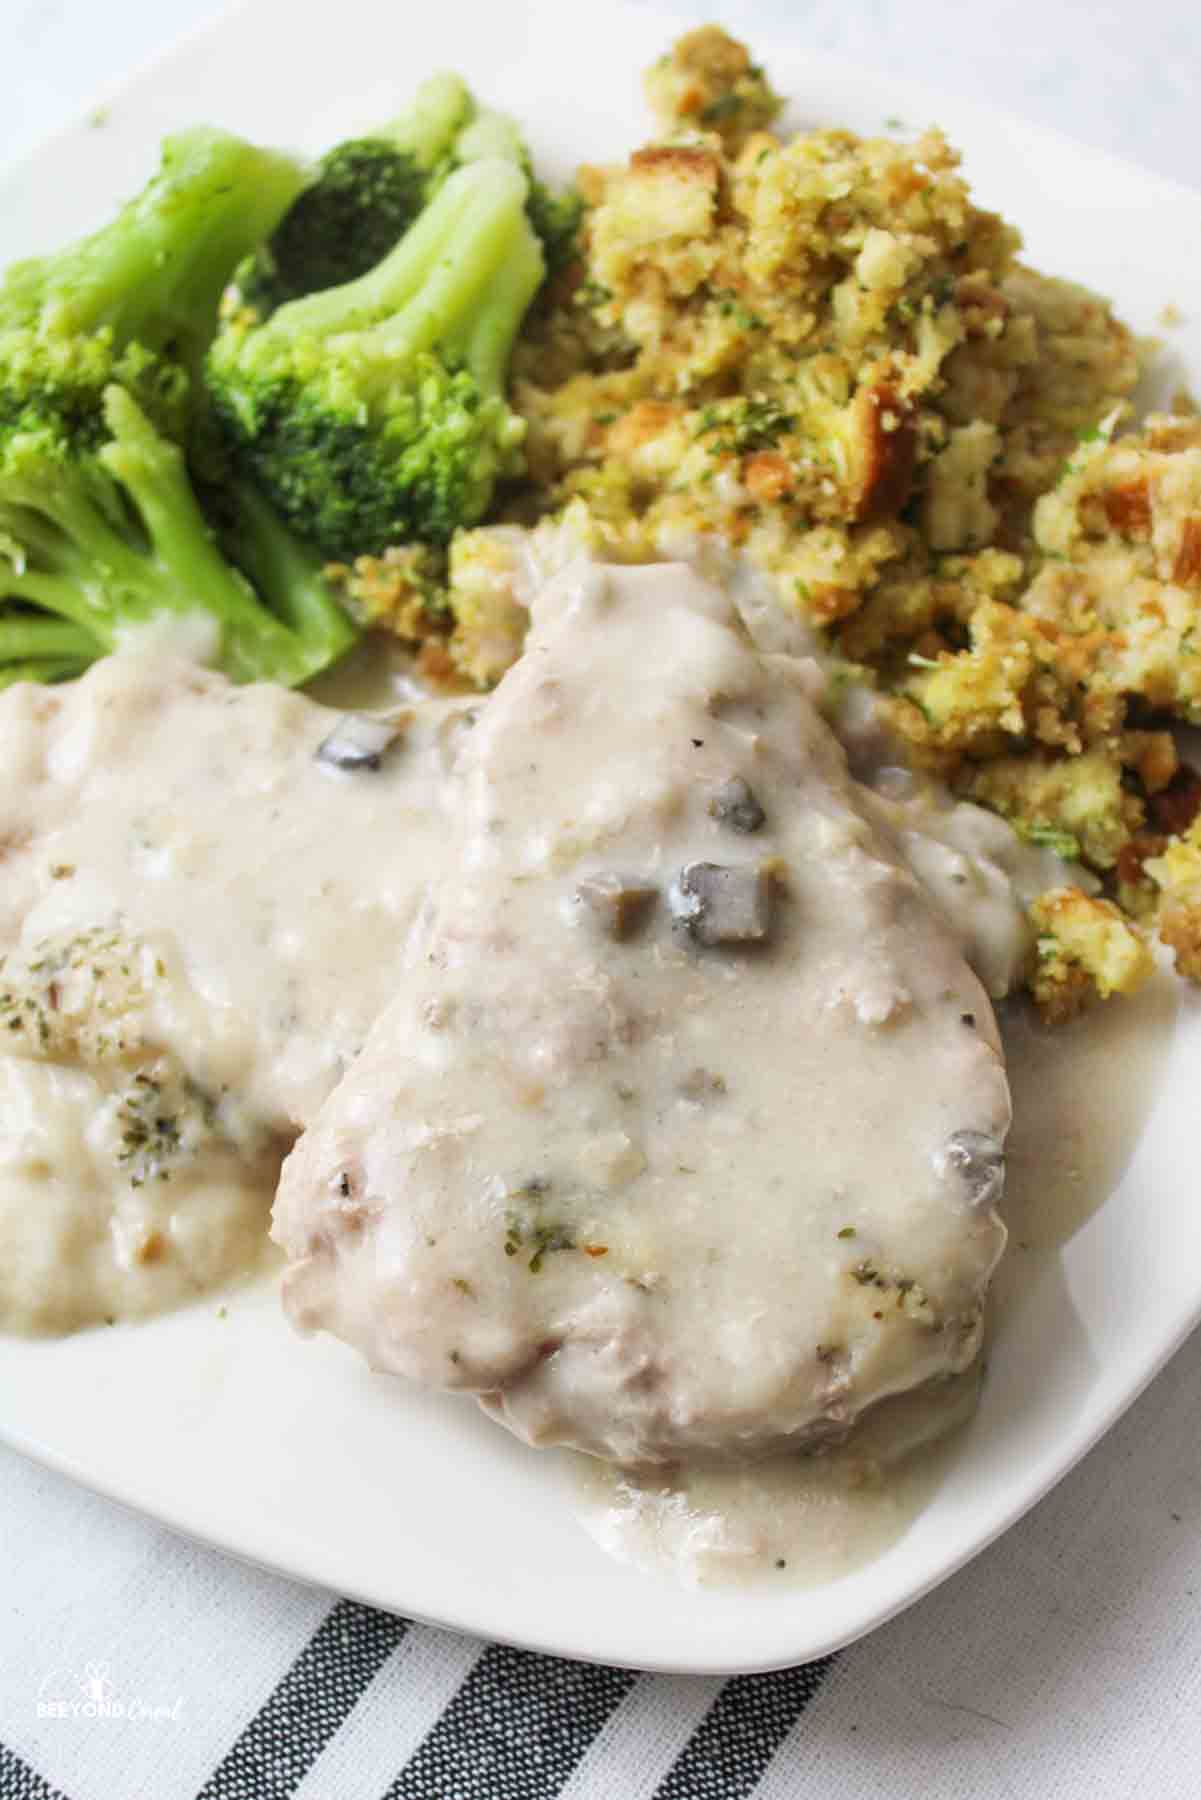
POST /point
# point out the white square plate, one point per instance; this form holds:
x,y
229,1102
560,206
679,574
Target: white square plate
x,y
292,1455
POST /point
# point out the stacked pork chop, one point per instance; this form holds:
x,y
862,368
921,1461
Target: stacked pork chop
x,y
683,1132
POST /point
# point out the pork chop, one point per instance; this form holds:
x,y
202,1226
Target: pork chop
x,y
203,887
684,1133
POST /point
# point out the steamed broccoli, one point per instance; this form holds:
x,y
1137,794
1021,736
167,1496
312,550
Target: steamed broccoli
x,y
375,412
360,200
35,647
554,214
137,301
287,576
365,193
108,538
100,349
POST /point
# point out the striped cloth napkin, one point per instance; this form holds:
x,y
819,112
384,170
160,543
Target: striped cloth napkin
x,y
1066,1661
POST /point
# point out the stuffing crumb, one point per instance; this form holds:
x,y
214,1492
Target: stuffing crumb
x,y
1084,948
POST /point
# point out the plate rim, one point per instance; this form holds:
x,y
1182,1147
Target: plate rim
x,y
1094,1426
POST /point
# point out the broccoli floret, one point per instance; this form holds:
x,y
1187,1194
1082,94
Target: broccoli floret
x,y
364,197
360,200
137,301
99,348
375,412
365,193
109,538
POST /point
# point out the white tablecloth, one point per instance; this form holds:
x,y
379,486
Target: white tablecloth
x,y
1064,1662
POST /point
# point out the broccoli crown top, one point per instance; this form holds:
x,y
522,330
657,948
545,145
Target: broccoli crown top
x,y
55,381
359,201
135,303
375,412
422,459
365,195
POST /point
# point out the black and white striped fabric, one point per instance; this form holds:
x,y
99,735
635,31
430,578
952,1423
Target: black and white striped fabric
x,y
521,1726
1066,1661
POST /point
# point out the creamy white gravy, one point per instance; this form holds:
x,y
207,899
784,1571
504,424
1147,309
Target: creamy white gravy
x,y
182,875
199,919
1081,1094
682,1133
799,1521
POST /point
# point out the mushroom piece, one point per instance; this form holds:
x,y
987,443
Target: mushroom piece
x,y
980,1163
734,804
618,903
358,742
723,905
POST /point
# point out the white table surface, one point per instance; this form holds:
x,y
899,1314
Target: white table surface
x,y
1096,1692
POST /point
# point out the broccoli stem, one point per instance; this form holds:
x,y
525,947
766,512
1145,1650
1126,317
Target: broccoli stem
x,y
429,125
488,342
492,134
192,571
288,577
25,636
440,273
64,546
110,557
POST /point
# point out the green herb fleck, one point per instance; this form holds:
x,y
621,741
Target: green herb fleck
x,y
526,1229
726,106
743,426
1051,837
592,293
